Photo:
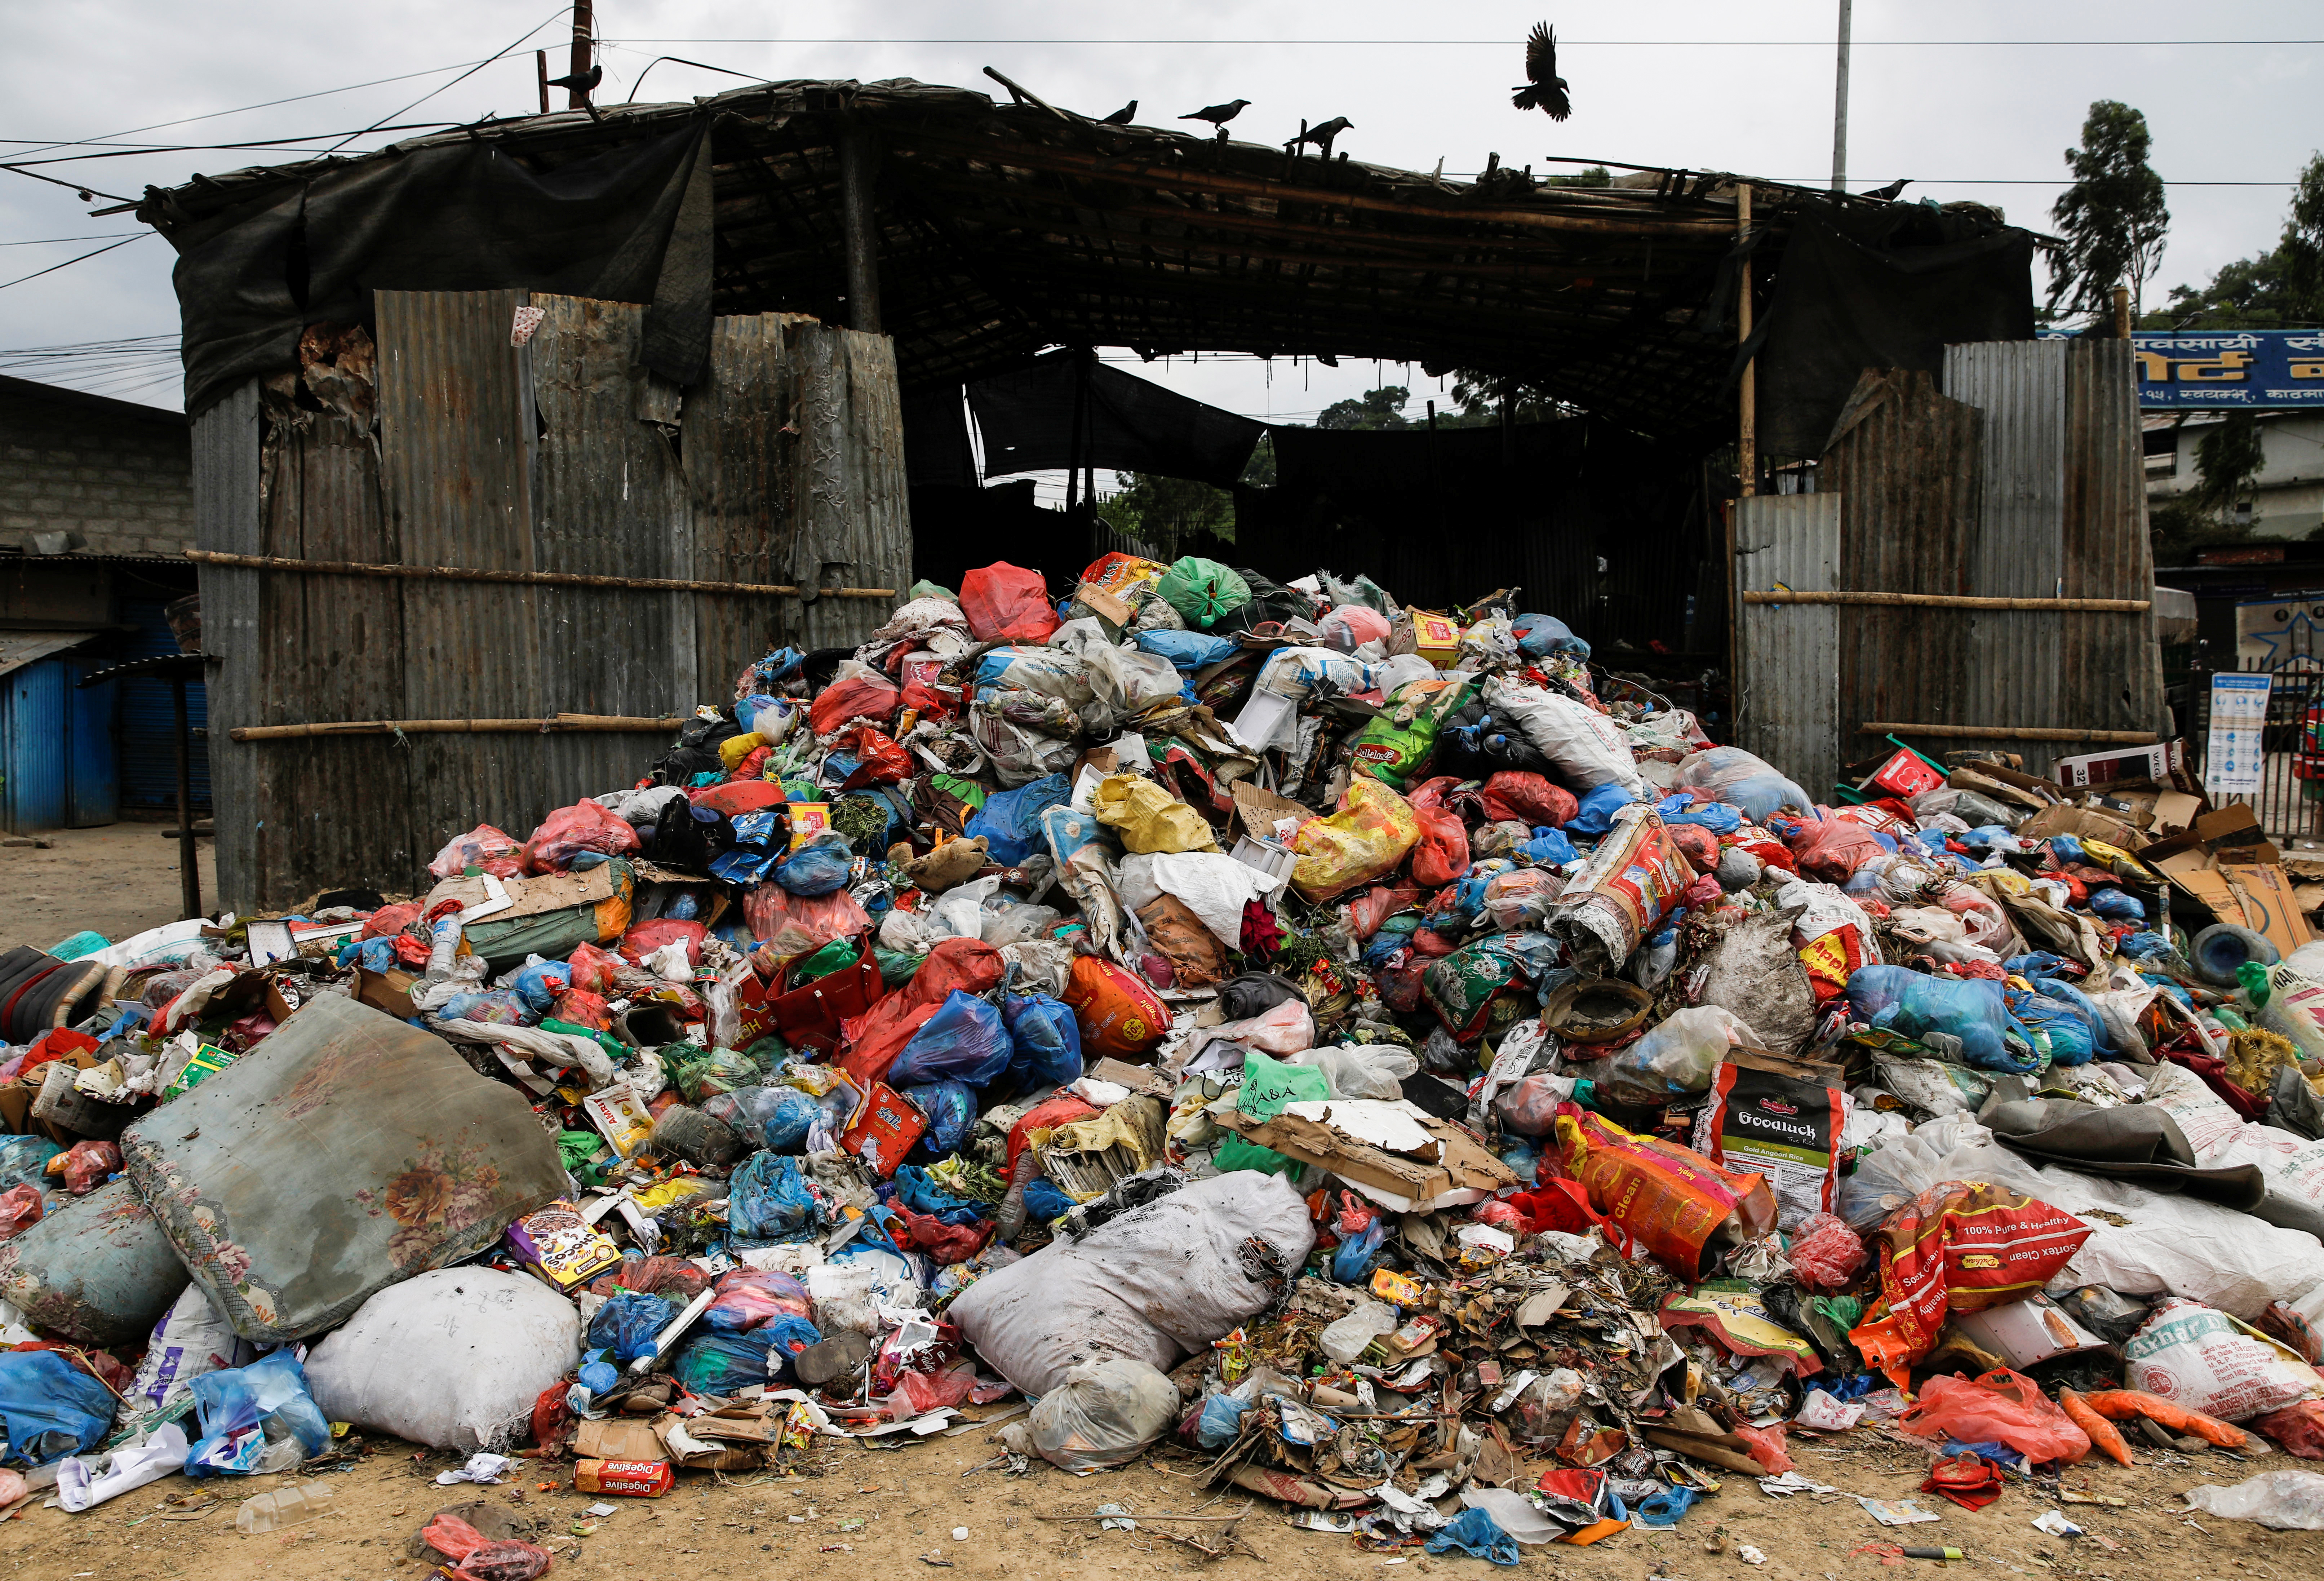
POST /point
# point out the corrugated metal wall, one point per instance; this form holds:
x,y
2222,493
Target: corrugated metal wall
x,y
557,456
1787,705
147,711
2022,479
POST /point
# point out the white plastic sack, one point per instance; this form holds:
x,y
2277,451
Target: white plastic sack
x,y
1280,1030
190,1339
639,807
1017,755
1681,1053
1363,1070
2194,1355
1128,681
1151,1284
2221,1139
1213,886
1105,1411
1588,748
452,1359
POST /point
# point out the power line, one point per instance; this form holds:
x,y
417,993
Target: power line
x,y
46,240
68,263
1824,43
522,40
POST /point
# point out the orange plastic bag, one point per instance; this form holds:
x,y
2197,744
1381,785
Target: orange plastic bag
x,y
2120,1405
1999,1407
1669,1200
1365,839
1441,855
1118,1014
569,831
1007,603
2103,1434
860,698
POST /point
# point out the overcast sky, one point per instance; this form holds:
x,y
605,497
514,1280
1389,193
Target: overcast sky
x,y
1660,82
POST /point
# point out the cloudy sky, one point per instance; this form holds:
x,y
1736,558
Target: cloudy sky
x,y
1978,98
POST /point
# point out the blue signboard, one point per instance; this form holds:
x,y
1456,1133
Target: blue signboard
x,y
2229,368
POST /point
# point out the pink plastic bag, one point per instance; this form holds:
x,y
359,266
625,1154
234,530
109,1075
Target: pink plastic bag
x,y
2001,1406
1832,851
1441,855
646,938
1007,603
20,1209
479,1558
494,851
567,832
86,1166
1827,1253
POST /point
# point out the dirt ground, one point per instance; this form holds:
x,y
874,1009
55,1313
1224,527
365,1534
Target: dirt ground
x,y
119,880
859,1512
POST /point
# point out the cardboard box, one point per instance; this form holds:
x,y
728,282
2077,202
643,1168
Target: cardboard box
x,y
2228,865
389,991
2083,824
618,1439
1436,637
1259,810
1394,1149
2163,763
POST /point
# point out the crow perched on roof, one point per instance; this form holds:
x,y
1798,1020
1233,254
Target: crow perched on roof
x,y
1891,191
580,82
1218,114
1322,136
1545,89
1121,118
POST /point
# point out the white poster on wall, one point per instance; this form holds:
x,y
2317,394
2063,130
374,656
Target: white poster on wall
x,y
2234,756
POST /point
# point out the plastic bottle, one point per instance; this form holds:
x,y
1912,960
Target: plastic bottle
x,y
446,947
289,1506
1345,1340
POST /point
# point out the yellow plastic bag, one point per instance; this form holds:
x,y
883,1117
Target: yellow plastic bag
x,y
735,748
1150,818
1363,840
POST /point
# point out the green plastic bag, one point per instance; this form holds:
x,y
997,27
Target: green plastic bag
x,y
831,958
1268,1084
1202,590
1394,755
925,589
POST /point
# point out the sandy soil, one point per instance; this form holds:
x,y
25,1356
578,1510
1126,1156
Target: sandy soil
x,y
119,880
861,1512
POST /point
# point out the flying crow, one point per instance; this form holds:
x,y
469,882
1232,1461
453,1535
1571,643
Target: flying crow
x,y
1121,118
1891,191
1545,89
1218,114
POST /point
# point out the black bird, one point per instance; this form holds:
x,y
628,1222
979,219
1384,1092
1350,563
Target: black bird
x,y
1891,191
1218,114
1121,118
1545,89
580,82
1322,136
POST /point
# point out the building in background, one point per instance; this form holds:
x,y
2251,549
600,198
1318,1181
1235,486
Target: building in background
x,y
95,513
2288,494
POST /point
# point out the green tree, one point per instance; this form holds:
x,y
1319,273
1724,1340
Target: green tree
x,y
1588,176
2226,458
2302,247
2111,222
1166,512
2280,289
1375,409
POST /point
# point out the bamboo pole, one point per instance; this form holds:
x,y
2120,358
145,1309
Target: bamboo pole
x,y
2010,733
261,562
554,724
1952,601
1747,438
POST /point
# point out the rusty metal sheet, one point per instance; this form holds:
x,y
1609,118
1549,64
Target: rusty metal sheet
x,y
1787,709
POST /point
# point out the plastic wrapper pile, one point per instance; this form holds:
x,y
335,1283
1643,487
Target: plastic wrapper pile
x,y
1389,1059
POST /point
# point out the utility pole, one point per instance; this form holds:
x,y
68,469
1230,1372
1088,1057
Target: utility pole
x,y
1839,106
540,71
584,32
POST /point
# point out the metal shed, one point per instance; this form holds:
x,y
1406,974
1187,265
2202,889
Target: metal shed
x,y
463,529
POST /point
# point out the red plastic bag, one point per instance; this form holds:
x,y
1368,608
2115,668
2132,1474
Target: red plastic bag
x,y
86,1166
1376,905
552,1416
2000,1407
1007,603
944,1244
1064,1109
1766,1446
569,831
1962,1246
737,796
1118,1014
2297,1430
595,970
578,1007
20,1209
646,938
479,1558
484,847
861,698
390,920
791,925
1827,1253
1529,799
1832,851
880,761
1698,844
869,1042
1441,855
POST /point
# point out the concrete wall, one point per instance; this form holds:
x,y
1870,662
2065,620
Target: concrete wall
x,y
116,475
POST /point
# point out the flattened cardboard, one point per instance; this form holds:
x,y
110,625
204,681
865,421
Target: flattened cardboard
x,y
2267,903
1115,612
1460,1163
2083,824
1259,810
618,1439
551,891
2004,785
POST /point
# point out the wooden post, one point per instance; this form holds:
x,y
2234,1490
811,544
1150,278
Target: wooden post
x,y
2122,312
859,226
540,72
584,30
190,872
1746,443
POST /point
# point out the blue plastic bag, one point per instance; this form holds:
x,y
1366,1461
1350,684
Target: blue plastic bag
x,y
1010,820
1046,1039
1221,1423
1477,1534
1352,1259
916,1190
2054,1022
1189,650
768,1202
818,867
1539,634
1598,809
1045,1200
965,1040
951,1110
500,1007
2116,906
1971,1009
539,983
1716,817
726,1364
49,1408
625,1326
1663,1508
1548,848
235,1406
24,1158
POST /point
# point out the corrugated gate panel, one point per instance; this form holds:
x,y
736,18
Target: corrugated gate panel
x,y
1787,709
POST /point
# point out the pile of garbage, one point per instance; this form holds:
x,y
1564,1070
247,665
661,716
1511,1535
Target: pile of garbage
x,y
1380,1055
